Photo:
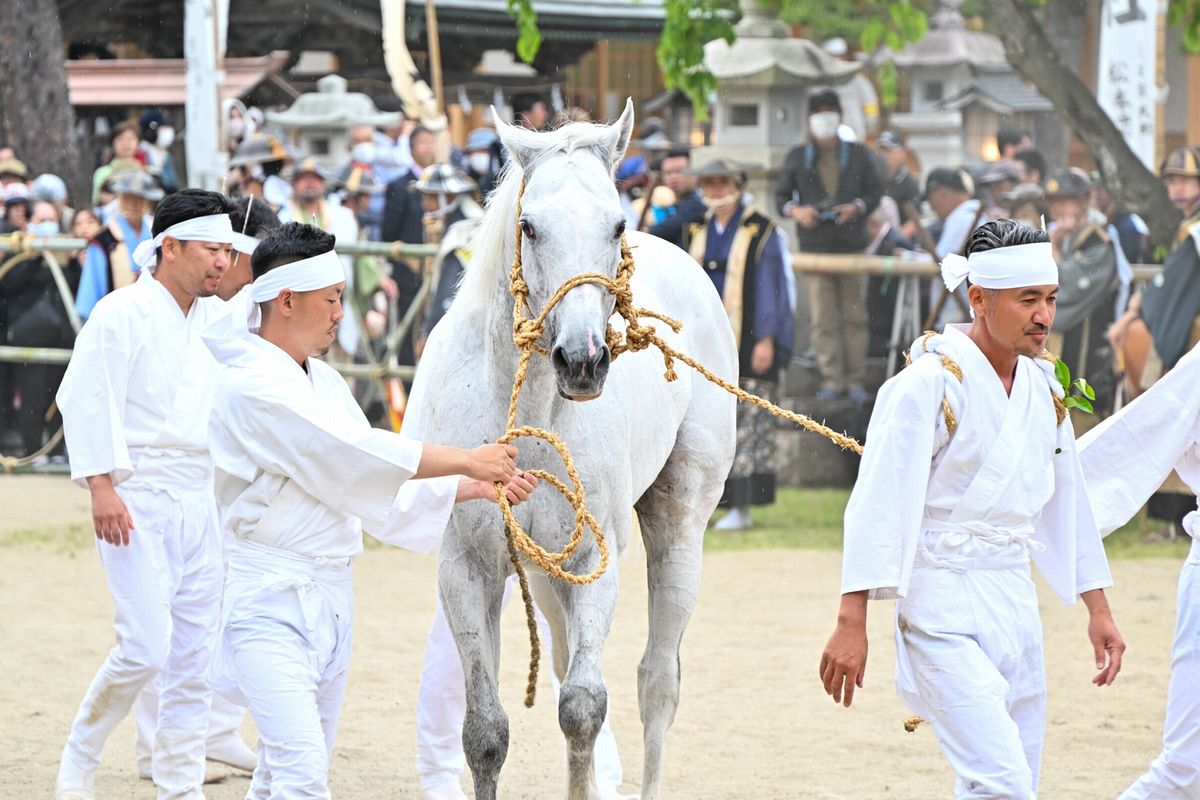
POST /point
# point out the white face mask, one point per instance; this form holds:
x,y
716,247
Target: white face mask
x,y
718,203
363,152
165,138
480,162
824,124
46,228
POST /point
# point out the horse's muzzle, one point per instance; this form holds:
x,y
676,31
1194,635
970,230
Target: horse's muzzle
x,y
580,374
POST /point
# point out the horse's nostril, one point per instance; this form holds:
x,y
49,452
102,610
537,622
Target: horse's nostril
x,y
559,359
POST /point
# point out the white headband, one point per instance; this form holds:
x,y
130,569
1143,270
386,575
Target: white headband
x,y
244,244
210,228
306,275
1003,267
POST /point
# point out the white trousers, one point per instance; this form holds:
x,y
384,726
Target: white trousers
x,y
969,660
442,706
224,721
1175,774
284,650
166,586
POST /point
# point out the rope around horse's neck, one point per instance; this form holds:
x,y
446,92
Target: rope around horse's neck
x,y
527,332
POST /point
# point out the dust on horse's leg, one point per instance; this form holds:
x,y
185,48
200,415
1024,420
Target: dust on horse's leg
x,y
583,699
673,530
471,592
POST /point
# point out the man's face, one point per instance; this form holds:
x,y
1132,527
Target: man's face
x,y
1070,212
16,215
361,134
125,145
1017,319
536,117
236,277
717,188
942,200
44,212
1184,191
422,148
895,157
195,267
673,177
309,187
315,317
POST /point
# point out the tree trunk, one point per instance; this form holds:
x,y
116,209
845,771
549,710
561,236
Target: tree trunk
x,y
36,119
1034,57
1062,20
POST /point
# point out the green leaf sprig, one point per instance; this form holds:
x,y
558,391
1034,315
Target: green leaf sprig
x,y
1076,394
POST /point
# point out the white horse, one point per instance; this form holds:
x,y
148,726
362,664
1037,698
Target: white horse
x,y
639,442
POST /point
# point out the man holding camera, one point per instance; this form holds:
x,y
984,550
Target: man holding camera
x,y
829,186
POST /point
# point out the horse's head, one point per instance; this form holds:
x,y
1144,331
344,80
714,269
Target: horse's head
x,y
571,222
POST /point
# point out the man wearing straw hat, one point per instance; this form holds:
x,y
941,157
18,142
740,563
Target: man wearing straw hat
x,y
745,256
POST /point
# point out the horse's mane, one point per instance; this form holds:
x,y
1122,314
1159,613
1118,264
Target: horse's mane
x,y
492,240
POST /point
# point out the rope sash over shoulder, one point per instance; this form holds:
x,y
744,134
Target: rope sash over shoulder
x,y
527,332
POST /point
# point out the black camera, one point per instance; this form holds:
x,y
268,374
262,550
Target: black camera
x,y
826,212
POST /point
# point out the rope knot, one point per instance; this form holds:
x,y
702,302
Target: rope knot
x,y
527,332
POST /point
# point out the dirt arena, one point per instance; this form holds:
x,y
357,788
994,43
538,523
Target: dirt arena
x,y
753,722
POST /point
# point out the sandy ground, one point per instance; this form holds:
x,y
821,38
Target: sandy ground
x,y
753,722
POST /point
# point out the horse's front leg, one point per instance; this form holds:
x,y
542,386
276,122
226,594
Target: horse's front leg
x,y
471,587
583,700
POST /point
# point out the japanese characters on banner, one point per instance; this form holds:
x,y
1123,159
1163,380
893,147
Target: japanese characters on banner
x,y
1126,82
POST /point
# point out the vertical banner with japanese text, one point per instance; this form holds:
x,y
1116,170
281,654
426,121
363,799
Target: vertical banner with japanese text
x,y
1125,83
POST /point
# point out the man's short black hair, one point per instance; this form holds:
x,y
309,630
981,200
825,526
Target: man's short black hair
x,y
947,178
1003,233
824,99
1009,136
524,103
679,152
262,219
1033,160
294,241
187,204
420,130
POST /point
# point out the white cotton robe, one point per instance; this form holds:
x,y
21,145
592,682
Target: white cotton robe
x,y
135,401
1125,459
299,472
946,524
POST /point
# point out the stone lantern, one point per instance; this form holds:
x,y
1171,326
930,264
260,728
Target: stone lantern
x,y
319,122
761,106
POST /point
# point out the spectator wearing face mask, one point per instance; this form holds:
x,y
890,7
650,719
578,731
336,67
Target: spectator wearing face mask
x,y
52,189
158,134
36,317
360,172
483,158
829,186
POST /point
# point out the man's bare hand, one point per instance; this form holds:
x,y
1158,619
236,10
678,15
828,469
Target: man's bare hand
x,y
844,662
492,463
846,212
110,517
763,356
518,489
806,216
1108,647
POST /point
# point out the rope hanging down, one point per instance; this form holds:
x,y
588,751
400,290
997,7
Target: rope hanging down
x,y
527,332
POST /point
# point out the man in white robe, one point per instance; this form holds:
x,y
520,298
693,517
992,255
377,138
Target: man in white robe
x,y
299,473
962,481
135,408
1125,459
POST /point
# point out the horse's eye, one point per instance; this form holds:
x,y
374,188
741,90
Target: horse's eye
x,y
527,229
620,230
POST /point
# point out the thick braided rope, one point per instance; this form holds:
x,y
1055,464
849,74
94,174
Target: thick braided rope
x,y
526,335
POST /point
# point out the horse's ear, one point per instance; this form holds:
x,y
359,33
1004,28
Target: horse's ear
x,y
520,143
622,133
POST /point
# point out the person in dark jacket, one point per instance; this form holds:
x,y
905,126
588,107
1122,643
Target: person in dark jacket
x,y
829,186
688,207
